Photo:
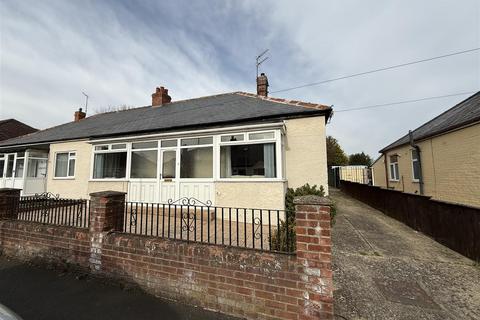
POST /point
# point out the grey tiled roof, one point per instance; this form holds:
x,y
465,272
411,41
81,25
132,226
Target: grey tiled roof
x,y
464,113
201,112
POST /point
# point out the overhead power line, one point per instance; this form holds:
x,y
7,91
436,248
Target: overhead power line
x,y
401,102
377,70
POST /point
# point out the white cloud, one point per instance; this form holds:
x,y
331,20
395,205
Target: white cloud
x,y
118,53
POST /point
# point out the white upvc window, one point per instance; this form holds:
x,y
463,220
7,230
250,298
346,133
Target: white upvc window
x,y
251,155
143,160
393,164
196,158
2,165
110,161
415,166
65,164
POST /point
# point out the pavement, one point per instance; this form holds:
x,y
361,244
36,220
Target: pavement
x,y
385,270
36,292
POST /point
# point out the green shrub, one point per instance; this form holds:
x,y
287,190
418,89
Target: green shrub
x,y
284,239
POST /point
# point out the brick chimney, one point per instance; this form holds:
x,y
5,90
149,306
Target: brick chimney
x,y
262,85
79,115
160,97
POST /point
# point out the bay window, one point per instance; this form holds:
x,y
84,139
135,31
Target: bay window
x,y
65,165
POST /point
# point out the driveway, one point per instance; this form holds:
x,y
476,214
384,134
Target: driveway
x,y
38,293
385,270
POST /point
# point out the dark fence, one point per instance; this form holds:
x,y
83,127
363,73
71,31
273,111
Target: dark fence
x,y
50,209
455,226
191,220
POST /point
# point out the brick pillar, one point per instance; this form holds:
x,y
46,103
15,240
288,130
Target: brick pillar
x,y
9,200
314,254
106,215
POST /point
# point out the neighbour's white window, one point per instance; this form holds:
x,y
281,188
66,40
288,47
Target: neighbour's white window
x,y
394,173
196,157
415,165
65,164
144,160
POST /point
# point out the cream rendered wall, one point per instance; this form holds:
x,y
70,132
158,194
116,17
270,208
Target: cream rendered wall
x,y
79,186
450,166
76,187
261,195
306,152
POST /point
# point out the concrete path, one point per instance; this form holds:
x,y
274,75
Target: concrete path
x,y
385,270
38,293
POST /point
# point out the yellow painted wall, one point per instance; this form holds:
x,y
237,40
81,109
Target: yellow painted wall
x,y
450,165
306,152
378,173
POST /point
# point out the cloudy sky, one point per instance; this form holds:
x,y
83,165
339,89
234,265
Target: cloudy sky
x,y
118,51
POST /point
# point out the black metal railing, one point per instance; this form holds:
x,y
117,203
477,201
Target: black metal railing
x,y
192,220
51,209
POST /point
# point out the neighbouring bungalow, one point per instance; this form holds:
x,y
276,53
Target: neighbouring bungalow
x,y
234,149
440,159
11,128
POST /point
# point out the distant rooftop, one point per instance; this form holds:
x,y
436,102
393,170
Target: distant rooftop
x,y
462,114
11,128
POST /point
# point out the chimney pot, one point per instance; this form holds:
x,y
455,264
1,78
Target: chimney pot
x,y
79,115
160,97
262,85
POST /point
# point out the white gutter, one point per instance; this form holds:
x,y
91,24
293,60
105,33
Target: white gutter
x,y
204,131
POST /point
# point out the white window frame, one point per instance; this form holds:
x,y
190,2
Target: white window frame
x,y
216,144
392,165
179,147
127,150
276,140
129,160
70,157
414,160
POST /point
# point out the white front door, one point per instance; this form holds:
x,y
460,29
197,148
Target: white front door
x,y
168,186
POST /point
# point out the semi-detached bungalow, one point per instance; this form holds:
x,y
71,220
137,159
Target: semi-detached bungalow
x,y
440,159
234,149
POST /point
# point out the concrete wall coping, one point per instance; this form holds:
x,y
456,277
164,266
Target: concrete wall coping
x,y
107,194
312,200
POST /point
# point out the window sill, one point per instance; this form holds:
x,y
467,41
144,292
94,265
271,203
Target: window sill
x,y
63,178
250,180
392,180
415,181
109,180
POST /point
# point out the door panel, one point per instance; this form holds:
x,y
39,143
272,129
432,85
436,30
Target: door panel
x,y
142,191
203,191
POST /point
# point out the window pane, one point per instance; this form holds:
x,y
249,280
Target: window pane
x,y
196,163
110,165
168,166
61,165
234,137
169,143
144,164
145,145
37,168
71,167
255,160
19,168
101,148
35,154
9,172
2,166
416,170
397,175
414,154
261,135
196,141
119,146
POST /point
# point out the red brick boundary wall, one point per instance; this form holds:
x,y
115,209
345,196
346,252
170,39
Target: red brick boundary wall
x,y
242,282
